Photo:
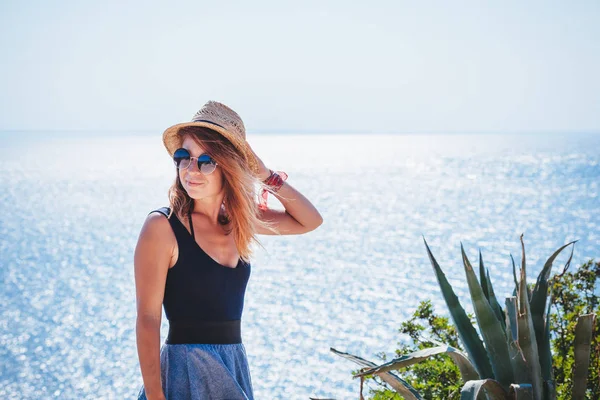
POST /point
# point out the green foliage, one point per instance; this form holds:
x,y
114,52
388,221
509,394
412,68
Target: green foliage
x,y
574,293
386,395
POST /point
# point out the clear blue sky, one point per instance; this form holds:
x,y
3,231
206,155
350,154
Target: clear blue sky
x,y
397,66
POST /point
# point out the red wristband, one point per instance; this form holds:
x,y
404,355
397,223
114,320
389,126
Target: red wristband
x,y
272,184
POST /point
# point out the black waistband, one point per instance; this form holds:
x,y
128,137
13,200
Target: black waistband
x,y
211,332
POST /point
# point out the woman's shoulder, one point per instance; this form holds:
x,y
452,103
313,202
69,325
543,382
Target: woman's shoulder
x,y
156,223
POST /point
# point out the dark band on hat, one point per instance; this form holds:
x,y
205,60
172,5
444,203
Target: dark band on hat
x,y
210,122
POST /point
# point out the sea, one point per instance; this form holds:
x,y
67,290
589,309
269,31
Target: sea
x,y
73,204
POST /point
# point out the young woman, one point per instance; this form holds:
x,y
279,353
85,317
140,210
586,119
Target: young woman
x,y
193,258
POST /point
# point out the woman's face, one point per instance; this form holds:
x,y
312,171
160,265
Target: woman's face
x,y
196,184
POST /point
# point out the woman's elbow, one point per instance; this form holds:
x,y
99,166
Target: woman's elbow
x,y
318,222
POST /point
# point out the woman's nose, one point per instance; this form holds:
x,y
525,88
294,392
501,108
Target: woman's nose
x,y
193,166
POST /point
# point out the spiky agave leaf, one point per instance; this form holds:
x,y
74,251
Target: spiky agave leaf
x,y
467,333
397,383
488,291
412,358
467,371
512,336
490,328
479,389
494,302
540,291
582,347
511,318
514,269
527,341
483,278
538,309
546,357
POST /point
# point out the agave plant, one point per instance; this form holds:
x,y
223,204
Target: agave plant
x,y
512,358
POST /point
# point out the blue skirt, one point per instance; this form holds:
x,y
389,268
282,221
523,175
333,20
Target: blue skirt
x,y
204,372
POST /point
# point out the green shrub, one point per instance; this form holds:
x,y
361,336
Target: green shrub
x,y
574,293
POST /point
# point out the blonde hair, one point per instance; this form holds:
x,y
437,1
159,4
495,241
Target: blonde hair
x,y
241,207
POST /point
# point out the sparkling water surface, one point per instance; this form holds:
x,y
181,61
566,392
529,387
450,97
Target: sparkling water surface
x,y
73,206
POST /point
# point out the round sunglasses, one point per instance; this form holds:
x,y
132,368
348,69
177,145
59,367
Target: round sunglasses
x,y
182,160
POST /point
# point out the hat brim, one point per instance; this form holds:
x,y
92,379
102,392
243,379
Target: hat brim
x,y
172,141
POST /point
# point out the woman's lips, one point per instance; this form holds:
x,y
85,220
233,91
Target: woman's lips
x,y
195,183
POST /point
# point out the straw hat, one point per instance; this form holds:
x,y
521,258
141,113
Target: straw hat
x,y
220,118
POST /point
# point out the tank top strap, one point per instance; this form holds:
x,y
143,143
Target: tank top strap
x,y
178,228
163,210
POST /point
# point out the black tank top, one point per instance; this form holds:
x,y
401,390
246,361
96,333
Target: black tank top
x,y
197,286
